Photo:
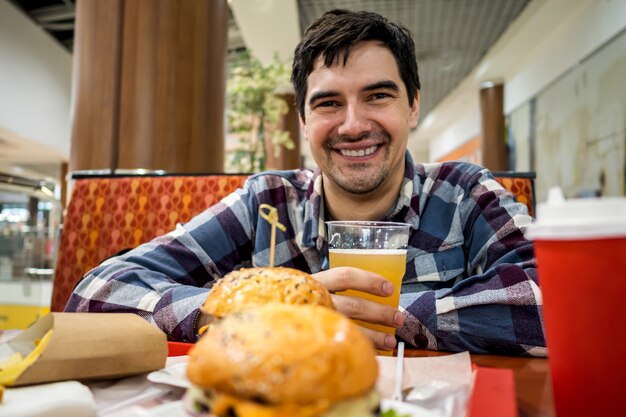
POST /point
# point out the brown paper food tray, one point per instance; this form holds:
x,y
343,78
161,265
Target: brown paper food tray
x,y
91,346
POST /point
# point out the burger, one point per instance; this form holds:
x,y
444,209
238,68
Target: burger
x,y
251,287
282,360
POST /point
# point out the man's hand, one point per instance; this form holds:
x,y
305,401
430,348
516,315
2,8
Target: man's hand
x,y
347,278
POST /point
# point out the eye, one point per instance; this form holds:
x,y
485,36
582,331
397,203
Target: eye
x,y
380,96
327,103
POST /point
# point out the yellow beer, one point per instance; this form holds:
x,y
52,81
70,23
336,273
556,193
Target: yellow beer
x,y
390,263
379,247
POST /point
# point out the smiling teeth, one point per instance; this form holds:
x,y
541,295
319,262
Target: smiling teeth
x,y
360,152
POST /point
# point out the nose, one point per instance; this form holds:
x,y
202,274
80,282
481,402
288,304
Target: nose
x,y
355,121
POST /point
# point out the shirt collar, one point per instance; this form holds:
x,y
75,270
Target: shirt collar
x,y
314,212
404,210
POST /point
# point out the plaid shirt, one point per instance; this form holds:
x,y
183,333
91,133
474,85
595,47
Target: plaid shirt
x,y
470,281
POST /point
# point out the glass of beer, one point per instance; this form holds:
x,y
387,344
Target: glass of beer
x,y
379,247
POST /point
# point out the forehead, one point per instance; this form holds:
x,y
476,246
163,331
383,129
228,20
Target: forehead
x,y
368,62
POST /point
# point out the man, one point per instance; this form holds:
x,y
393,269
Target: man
x,y
470,282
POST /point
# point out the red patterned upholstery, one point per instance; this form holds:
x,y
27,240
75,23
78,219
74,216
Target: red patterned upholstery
x,y
107,215
522,187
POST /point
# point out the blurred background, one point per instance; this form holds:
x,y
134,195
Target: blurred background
x,y
201,86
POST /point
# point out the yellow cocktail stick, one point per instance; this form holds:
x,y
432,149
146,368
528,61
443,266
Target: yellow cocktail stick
x,y
271,215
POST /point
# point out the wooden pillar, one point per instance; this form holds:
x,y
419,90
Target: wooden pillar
x,y
95,84
494,149
288,158
64,181
149,85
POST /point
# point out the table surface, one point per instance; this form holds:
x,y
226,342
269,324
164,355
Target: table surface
x,y
532,377
533,387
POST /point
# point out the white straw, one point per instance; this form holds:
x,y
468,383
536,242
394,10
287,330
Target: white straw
x,y
397,391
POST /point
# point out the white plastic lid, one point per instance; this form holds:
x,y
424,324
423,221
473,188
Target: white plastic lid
x,y
589,218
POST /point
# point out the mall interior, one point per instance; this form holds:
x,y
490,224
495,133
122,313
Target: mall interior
x,y
151,89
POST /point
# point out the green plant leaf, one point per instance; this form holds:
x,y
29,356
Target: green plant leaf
x,y
254,111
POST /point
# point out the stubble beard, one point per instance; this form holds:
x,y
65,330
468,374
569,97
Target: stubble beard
x,y
364,177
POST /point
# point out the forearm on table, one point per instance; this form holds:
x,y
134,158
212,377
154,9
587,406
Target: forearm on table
x,y
497,312
168,304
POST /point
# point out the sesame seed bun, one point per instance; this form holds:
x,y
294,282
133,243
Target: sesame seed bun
x,y
251,287
288,360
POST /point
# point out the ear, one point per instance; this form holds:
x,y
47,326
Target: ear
x,y
302,124
414,115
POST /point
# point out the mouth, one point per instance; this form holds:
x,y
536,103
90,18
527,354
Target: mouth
x,y
353,153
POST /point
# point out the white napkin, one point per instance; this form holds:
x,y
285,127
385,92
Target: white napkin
x,y
58,399
137,395
439,386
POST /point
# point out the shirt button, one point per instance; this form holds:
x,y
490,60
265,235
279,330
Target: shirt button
x,y
420,341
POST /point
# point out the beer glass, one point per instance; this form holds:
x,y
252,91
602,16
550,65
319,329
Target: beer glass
x,y
379,247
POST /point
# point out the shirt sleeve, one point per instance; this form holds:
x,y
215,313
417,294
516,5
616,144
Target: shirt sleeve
x,y
495,306
167,279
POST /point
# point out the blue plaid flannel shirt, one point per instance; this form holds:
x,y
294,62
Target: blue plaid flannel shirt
x,y
470,281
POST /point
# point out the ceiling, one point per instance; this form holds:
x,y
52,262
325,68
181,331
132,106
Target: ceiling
x,y
57,18
451,36
54,16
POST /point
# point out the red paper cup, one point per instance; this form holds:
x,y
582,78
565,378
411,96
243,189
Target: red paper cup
x,y
580,246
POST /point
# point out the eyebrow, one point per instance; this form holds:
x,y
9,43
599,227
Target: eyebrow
x,y
322,95
380,85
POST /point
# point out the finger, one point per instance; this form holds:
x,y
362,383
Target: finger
x,y
368,311
347,278
381,341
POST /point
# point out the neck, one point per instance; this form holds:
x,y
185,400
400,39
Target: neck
x,y
343,205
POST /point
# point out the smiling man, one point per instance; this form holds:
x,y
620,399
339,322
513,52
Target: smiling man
x,y
470,281
357,119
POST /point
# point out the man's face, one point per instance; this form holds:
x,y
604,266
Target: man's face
x,y
358,119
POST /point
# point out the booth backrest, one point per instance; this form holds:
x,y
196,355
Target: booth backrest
x,y
109,214
106,215
521,184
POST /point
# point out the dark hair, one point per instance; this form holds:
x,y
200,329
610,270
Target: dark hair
x,y
336,31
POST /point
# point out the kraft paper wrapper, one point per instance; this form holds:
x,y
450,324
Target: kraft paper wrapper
x,y
90,346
